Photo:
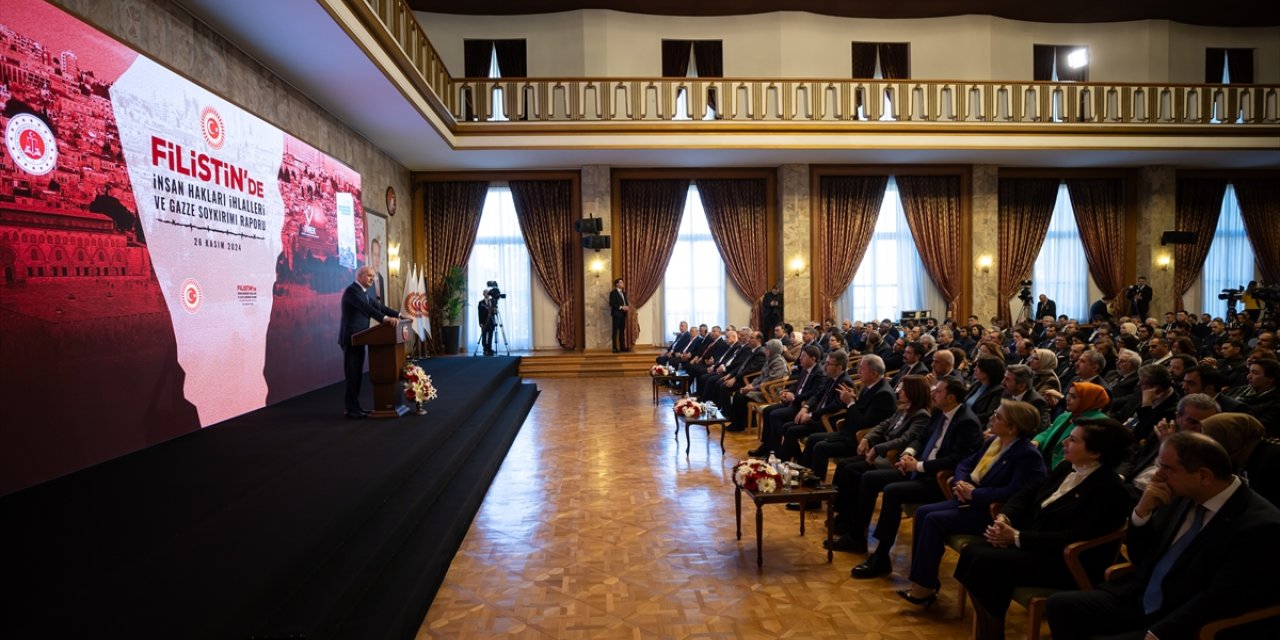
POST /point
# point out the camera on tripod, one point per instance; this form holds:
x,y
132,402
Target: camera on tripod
x,y
1025,294
495,294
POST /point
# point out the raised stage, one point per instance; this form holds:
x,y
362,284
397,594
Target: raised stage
x,y
287,522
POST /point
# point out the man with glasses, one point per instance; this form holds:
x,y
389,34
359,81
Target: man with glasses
x,y
1192,410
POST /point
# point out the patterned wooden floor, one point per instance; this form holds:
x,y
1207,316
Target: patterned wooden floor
x,y
599,526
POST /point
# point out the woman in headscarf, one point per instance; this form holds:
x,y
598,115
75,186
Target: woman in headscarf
x,y
775,367
1255,460
1084,400
994,472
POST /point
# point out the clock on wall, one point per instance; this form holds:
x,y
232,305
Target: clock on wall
x,y
391,201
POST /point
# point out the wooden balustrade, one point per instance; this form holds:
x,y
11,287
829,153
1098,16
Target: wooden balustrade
x,y
690,101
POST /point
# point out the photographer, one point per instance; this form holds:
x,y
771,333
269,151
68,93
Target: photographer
x,y
487,312
1140,295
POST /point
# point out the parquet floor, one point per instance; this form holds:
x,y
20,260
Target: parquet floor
x,y
599,526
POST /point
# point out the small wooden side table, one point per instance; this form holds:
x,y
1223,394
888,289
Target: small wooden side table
x,y
709,419
669,382
803,495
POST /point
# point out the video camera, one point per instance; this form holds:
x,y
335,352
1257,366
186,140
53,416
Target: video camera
x,y
495,293
1025,294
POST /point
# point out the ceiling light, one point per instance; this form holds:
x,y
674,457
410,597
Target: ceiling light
x,y
1078,58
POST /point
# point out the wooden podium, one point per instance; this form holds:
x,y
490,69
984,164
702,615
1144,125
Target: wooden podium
x,y
386,361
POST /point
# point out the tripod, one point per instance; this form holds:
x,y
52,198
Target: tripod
x,y
495,321
1025,314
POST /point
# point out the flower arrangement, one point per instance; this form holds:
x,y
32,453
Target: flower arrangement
x,y
688,407
661,370
756,475
417,384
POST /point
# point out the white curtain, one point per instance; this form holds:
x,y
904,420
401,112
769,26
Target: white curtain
x,y
1229,264
1061,271
891,278
693,287
500,255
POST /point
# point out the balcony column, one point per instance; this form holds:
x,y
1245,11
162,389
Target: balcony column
x,y
984,241
796,234
596,199
1157,192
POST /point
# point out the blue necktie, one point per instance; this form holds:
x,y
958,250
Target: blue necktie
x,y
1153,598
933,440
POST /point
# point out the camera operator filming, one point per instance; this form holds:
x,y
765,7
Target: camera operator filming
x,y
487,313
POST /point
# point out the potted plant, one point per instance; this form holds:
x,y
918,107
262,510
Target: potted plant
x,y
455,297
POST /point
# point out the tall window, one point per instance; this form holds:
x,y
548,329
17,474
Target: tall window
x,y
880,60
1229,264
1061,271
693,287
891,278
500,255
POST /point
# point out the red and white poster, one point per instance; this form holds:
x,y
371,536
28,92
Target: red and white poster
x,y
169,260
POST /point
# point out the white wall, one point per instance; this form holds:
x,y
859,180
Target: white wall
x,y
795,44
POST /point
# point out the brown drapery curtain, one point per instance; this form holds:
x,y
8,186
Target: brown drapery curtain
x,y
709,56
737,214
847,210
931,205
545,211
451,215
1240,65
1025,210
864,59
512,58
1260,209
1214,60
1198,206
895,60
1099,208
1042,62
675,58
650,212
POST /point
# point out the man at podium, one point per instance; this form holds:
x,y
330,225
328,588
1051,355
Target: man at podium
x,y
359,307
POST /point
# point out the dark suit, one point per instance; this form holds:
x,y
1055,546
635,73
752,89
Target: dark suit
x,y
1229,568
358,307
1017,468
747,362
822,404
962,437
1096,506
617,300
986,404
679,345
708,389
486,314
777,416
1046,308
873,406
1266,408
1036,400
918,369
1140,296
770,312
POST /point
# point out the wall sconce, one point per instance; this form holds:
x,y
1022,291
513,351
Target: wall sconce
x,y
796,266
1163,262
597,267
393,259
984,262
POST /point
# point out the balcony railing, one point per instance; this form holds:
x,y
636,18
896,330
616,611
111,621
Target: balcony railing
x,y
650,101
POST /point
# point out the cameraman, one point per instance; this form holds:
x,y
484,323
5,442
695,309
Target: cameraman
x,y
1140,295
487,312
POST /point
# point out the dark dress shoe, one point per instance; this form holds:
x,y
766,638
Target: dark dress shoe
x,y
356,415
848,543
874,567
755,453
925,602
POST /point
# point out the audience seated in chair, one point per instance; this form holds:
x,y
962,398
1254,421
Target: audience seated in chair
x,y
992,474
1083,498
1203,545
953,434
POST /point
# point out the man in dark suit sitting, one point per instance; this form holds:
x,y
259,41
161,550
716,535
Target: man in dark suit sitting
x,y
809,419
681,342
358,307
808,381
1203,544
953,434
874,405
